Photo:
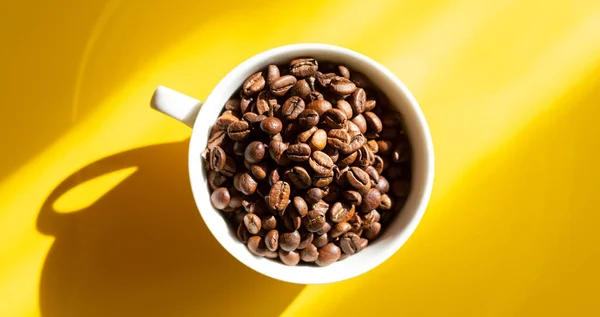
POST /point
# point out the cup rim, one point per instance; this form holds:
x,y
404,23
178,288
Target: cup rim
x,y
274,269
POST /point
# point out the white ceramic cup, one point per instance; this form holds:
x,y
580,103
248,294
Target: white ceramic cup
x,y
201,116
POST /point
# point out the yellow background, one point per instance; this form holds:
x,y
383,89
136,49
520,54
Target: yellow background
x,y
511,90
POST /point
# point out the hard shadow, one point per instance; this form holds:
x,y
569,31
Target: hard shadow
x,y
142,249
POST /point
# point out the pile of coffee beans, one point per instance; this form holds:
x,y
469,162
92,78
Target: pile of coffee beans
x,y
308,162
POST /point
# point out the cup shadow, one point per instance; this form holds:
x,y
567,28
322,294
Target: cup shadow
x,y
142,249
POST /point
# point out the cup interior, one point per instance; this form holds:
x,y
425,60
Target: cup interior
x,y
398,230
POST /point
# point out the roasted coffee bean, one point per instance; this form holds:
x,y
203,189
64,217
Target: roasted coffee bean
x,y
372,145
359,179
322,180
360,122
313,195
272,240
308,118
305,136
269,222
320,106
340,212
224,121
338,139
373,122
233,104
216,139
271,125
320,240
253,84
246,104
371,200
320,162
370,105
365,157
358,101
346,160
340,228
220,198
289,241
299,177
352,197
272,74
292,220
253,118
217,159
342,86
332,152
334,118
309,254
301,89
356,142
252,223
246,183
386,202
314,95
356,224
350,243
257,246
314,220
344,72
306,239
215,180
279,196
298,152
372,231
321,206
277,152
400,188
281,85
255,151
300,205
382,185
345,107
373,174
238,130
262,106
260,170
289,258
318,140
370,217
328,254
303,67
292,107
242,233
325,79
325,229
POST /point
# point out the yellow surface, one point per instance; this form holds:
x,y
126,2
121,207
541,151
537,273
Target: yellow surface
x,y
511,90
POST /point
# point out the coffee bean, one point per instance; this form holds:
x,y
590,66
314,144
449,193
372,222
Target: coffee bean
x,y
246,184
271,125
379,164
365,157
400,188
338,139
220,198
253,118
238,130
370,218
217,159
306,239
260,170
303,67
350,243
373,174
386,202
314,220
309,254
253,84
340,228
298,152
320,106
356,142
359,179
371,200
372,145
332,152
321,206
305,135
373,122
360,121
370,105
346,160
255,151
372,231
344,72
308,118
325,229
299,177
301,89
245,104
233,104
292,107
272,240
257,246
328,254
300,206
358,101
272,74
242,233
345,107
341,212
262,106
356,224
342,86
277,152
382,185
215,180
224,121
269,222
352,197
281,85
289,241
334,118
279,196
252,223
289,258
320,162
322,180
313,195
325,79
320,240
216,139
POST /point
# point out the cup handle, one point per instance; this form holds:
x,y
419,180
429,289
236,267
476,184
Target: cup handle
x,y
176,105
